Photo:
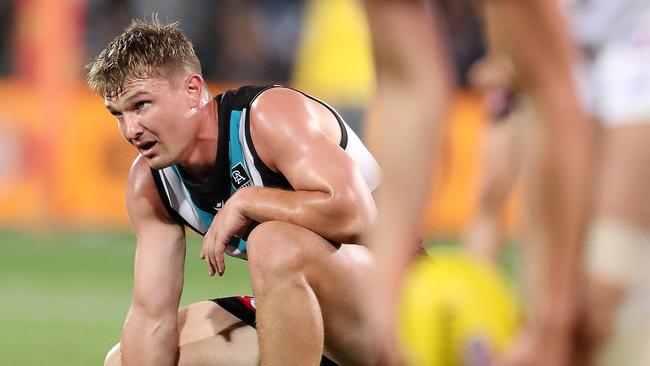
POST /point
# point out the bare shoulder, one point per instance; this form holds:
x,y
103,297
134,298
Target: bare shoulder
x,y
278,107
142,198
284,119
139,181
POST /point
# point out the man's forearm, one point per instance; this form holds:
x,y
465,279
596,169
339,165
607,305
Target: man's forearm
x,y
340,217
149,342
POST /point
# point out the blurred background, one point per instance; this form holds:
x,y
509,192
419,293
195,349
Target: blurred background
x,y
65,244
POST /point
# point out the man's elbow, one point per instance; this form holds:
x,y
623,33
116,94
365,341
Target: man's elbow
x,y
353,234
354,215
148,340
147,323
113,357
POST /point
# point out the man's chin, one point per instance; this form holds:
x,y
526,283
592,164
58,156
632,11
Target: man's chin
x,y
156,163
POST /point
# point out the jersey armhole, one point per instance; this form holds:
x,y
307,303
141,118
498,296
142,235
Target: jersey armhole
x,y
163,197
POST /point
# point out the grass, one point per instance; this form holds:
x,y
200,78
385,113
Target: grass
x,y
63,297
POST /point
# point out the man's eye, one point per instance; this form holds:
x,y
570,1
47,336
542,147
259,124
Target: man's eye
x,y
141,104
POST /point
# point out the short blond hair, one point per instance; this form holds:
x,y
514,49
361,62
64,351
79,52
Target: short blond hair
x,y
143,49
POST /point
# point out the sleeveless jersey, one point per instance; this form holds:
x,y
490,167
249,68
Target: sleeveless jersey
x,y
238,165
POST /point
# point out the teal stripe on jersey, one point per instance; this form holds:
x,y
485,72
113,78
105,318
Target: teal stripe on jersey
x,y
236,155
235,149
205,217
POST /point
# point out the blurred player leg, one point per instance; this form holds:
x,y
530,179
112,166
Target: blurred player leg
x,y
618,250
499,156
405,123
209,335
484,237
618,247
556,172
616,328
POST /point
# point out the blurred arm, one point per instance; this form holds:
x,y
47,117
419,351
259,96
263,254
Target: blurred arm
x,y
150,334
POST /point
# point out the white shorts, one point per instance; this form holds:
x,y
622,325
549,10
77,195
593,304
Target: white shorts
x,y
615,78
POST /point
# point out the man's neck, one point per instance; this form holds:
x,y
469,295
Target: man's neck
x,y
201,160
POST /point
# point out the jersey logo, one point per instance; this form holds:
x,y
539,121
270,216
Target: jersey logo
x,y
218,206
239,176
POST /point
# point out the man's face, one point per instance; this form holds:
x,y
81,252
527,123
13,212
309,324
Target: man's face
x,y
153,115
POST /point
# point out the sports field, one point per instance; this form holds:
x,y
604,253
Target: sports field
x,y
63,297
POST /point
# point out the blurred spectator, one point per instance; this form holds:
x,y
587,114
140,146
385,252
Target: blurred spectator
x,y
104,19
198,18
463,35
236,40
252,40
6,25
282,25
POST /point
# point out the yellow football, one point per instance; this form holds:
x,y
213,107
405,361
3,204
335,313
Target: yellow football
x,y
456,310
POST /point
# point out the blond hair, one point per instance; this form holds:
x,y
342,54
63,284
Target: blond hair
x,y
143,49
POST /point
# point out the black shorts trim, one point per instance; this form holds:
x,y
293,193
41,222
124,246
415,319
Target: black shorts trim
x,y
235,307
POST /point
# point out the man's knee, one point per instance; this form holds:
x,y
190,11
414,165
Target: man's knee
x,y
113,356
276,250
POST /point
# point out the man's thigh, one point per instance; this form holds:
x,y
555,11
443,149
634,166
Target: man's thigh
x,y
337,276
209,335
341,291
624,174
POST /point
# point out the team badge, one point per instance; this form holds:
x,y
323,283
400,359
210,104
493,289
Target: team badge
x,y
239,176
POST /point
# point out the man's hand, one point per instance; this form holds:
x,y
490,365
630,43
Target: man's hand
x,y
228,222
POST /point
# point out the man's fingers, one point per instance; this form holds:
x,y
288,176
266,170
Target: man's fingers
x,y
213,260
206,254
221,264
212,250
212,269
206,240
217,251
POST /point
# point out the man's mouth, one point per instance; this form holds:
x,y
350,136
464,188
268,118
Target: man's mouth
x,y
146,149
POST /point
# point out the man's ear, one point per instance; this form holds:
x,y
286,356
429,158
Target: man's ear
x,y
194,88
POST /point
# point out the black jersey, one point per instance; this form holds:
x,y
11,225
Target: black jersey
x,y
238,165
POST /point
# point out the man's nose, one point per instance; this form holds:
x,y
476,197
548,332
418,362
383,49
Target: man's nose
x,y
133,127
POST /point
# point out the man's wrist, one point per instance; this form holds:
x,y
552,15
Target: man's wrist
x,y
242,200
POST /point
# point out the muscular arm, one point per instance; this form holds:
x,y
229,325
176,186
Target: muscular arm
x,y
331,197
150,334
